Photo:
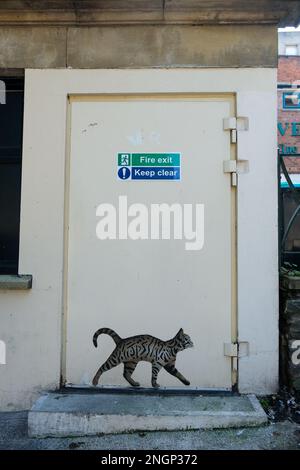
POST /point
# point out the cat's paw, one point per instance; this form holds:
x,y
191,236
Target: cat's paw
x,y
136,384
95,381
186,382
156,385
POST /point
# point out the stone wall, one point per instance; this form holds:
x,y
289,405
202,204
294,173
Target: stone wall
x,y
134,46
87,12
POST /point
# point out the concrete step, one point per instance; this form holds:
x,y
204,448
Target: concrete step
x,y
84,414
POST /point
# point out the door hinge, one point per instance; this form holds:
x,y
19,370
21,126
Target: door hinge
x,y
240,349
235,167
235,124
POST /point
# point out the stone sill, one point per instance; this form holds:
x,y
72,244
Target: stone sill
x,y
15,281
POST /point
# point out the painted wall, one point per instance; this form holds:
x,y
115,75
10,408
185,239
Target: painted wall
x,y
31,321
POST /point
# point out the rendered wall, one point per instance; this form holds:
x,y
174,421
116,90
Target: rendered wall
x,y
31,321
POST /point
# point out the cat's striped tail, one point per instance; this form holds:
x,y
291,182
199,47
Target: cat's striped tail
x,y
106,331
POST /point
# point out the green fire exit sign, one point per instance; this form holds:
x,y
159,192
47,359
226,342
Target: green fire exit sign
x,y
149,159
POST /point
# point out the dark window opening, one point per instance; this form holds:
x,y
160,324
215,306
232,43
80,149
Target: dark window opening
x,y
11,132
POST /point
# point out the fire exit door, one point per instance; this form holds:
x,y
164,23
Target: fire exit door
x,y
149,234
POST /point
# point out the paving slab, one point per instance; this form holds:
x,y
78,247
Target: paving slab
x,y
277,435
87,414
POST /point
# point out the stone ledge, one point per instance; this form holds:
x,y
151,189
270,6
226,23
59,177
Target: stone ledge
x,y
15,281
60,415
95,12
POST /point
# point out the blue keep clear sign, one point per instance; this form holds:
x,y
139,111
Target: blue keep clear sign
x,y
149,166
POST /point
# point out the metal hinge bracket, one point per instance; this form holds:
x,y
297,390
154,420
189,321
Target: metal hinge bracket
x,y
235,167
240,349
235,124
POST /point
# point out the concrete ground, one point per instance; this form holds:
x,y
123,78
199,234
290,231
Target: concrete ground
x,y
280,435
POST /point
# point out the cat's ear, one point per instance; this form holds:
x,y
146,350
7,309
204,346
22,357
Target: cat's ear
x,y
180,332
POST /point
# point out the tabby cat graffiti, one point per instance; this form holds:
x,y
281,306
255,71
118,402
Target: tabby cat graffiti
x,y
130,351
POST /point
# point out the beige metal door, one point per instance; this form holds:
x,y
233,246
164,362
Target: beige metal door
x,y
149,286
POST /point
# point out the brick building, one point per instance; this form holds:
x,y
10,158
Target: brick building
x,y
289,99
